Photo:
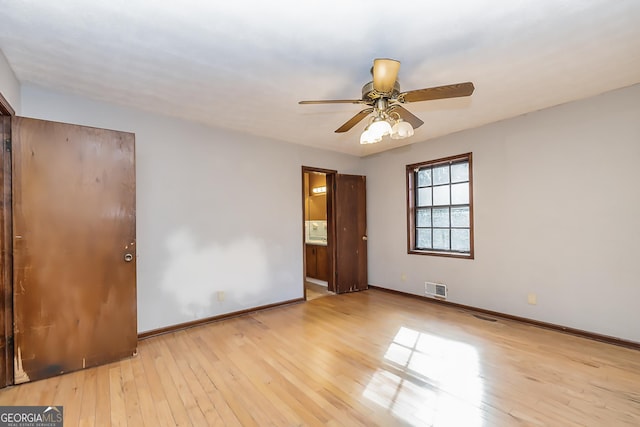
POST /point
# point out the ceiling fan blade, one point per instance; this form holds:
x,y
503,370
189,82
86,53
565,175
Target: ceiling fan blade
x,y
406,115
354,120
334,101
439,92
385,74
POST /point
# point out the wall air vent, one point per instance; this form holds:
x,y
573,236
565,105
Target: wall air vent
x,y
437,290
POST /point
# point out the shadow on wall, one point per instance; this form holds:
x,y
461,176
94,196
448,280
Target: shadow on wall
x,y
199,279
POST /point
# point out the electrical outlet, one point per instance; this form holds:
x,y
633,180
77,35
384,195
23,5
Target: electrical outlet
x,y
403,277
532,299
220,295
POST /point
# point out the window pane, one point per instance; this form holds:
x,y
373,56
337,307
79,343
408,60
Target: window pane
x,y
441,217
441,238
460,194
460,239
441,195
460,172
424,177
423,218
424,196
441,175
423,238
460,217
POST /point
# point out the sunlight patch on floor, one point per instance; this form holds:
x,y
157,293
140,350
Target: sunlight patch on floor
x,y
429,381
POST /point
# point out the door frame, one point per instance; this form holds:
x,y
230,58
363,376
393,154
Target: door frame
x,y
331,247
6,246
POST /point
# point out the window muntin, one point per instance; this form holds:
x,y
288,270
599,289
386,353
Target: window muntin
x,y
440,211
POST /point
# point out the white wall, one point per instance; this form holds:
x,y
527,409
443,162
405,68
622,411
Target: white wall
x,y
557,213
216,211
9,84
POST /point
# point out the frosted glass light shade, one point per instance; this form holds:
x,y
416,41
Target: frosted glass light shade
x,y
401,130
379,128
368,137
385,73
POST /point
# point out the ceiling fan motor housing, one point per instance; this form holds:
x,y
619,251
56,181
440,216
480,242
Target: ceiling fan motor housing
x,y
369,94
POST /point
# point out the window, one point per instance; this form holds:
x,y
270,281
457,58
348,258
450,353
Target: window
x,y
440,207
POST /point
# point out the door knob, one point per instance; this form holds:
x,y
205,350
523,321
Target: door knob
x,y
364,237
128,257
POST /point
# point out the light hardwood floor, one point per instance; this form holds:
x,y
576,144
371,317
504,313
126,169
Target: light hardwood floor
x,y
369,358
316,291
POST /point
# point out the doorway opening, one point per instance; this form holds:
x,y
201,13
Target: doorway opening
x,y
318,236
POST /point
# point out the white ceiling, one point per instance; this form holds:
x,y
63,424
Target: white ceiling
x,y
244,64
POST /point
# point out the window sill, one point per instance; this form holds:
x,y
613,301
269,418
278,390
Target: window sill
x,y
442,254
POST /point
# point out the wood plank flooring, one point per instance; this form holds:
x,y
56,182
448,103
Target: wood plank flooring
x,y
316,291
363,359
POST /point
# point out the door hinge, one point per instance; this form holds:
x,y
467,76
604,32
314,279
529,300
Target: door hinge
x,y
7,145
10,341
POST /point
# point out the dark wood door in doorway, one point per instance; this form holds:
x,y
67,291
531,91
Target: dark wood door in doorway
x,y
6,275
74,247
351,233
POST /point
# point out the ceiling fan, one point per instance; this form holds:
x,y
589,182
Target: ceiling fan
x,y
384,99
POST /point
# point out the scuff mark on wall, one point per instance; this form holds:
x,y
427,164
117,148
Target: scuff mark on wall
x,y
20,376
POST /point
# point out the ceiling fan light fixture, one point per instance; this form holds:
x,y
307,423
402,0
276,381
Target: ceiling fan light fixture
x,y
401,130
383,98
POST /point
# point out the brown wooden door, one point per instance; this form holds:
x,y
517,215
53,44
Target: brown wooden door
x,y
6,275
351,233
73,226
